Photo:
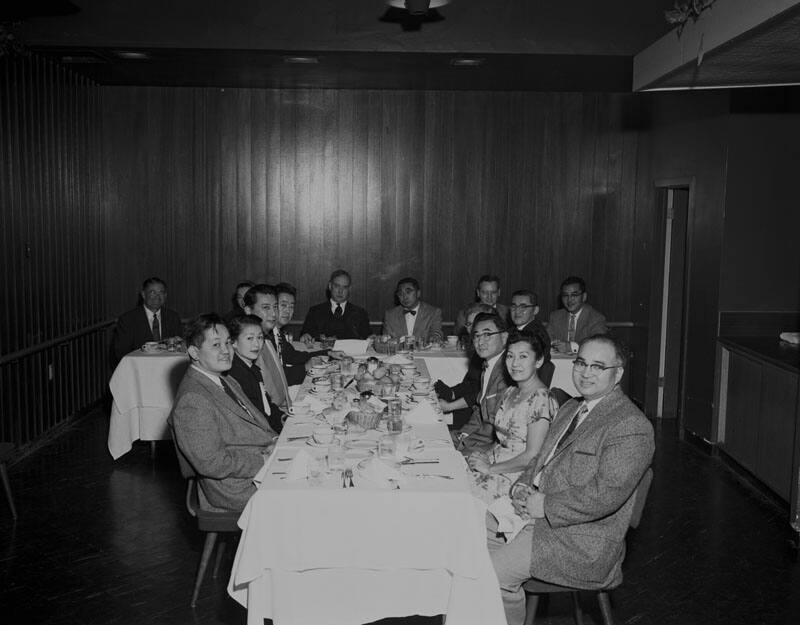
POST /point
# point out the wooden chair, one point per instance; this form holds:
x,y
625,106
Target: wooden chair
x,y
211,523
534,587
5,454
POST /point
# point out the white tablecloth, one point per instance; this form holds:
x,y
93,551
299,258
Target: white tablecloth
x,y
143,386
348,556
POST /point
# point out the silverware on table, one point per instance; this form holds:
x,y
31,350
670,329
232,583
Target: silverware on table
x,y
297,438
348,473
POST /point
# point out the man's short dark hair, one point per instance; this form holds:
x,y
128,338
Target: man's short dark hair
x,y
574,280
259,289
195,330
526,293
338,273
621,351
488,278
412,281
153,280
240,322
480,307
499,323
285,287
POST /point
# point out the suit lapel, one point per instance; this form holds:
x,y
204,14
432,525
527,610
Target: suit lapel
x,y
272,366
599,416
221,397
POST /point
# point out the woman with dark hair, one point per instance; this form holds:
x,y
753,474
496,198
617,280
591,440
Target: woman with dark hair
x,y
237,300
247,339
522,421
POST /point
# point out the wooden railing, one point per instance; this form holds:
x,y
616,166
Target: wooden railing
x,y
46,384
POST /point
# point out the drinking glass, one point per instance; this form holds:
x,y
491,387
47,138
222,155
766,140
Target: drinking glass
x,y
336,456
387,448
316,470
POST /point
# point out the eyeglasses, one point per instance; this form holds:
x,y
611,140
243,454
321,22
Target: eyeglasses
x,y
572,294
579,364
484,335
520,306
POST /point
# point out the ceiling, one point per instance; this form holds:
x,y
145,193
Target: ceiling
x,y
574,45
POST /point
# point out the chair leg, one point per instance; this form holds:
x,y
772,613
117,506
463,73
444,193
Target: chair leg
x,y
605,607
208,547
576,608
531,603
152,450
7,488
220,551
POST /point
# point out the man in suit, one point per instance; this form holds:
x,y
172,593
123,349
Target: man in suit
x,y
487,292
295,362
523,310
217,429
413,317
262,301
338,316
578,493
577,320
489,335
149,322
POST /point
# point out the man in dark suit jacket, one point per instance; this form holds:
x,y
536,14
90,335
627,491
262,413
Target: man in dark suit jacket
x,y
577,320
217,429
523,310
413,317
487,292
579,491
148,322
489,336
338,316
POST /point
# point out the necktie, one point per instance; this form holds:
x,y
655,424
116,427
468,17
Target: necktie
x,y
256,371
483,379
156,328
408,311
277,334
229,391
572,425
338,312
571,328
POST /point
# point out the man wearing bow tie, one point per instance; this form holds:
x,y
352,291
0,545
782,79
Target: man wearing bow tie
x,y
413,317
578,493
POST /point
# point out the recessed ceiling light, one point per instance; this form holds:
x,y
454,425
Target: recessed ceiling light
x,y
466,62
301,60
132,56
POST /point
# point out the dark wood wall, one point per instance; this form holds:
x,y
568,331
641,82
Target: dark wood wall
x,y
206,187
51,247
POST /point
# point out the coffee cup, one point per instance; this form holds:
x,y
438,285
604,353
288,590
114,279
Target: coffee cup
x,y
452,340
321,385
323,435
317,371
408,371
150,346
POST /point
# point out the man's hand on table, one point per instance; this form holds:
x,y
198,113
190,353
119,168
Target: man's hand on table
x,y
528,502
307,339
336,354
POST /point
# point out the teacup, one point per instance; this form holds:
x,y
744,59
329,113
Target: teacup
x,y
452,340
321,385
323,435
150,346
408,371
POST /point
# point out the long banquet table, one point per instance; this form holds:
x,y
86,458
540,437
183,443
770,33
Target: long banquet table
x,y
342,556
143,387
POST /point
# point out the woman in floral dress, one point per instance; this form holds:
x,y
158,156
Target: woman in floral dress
x,y
520,424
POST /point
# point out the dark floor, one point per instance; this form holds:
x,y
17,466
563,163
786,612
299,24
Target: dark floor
x,y
99,541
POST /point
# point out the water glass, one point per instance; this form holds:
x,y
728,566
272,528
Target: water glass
x,y
337,382
387,447
336,456
316,470
289,337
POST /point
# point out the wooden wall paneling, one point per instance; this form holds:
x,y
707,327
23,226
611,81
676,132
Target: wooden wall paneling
x,y
267,166
348,149
334,243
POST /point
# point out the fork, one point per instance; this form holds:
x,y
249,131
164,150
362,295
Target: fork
x,y
348,473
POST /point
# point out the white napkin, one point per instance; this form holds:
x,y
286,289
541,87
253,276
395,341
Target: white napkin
x,y
298,469
422,413
314,403
397,359
791,337
259,477
351,347
377,403
379,473
508,521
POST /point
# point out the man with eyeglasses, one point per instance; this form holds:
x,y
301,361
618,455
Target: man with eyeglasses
x,y
489,336
577,495
295,362
568,326
486,292
523,310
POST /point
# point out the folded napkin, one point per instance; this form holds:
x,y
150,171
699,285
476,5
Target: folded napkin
x,y
259,477
791,337
315,403
351,347
422,413
399,359
298,469
380,473
508,521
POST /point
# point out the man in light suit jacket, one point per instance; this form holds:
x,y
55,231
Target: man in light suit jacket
x,y
487,292
579,491
149,322
262,301
577,320
413,317
218,431
338,316
489,336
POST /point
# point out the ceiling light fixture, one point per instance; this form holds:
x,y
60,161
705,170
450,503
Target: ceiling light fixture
x,y
301,60
464,61
417,7
130,55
